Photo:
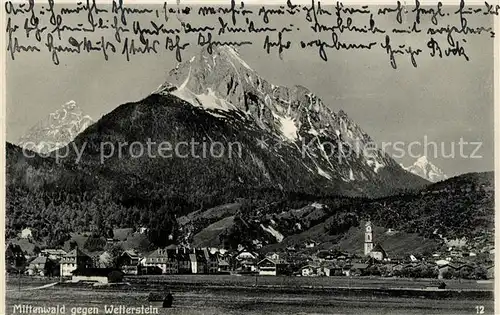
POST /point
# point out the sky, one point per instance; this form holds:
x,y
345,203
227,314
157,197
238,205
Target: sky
x,y
440,100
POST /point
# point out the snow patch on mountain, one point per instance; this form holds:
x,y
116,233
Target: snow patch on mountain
x,y
376,165
287,127
323,173
313,132
277,235
207,100
351,175
211,101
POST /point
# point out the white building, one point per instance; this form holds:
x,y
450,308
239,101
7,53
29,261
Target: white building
x,y
26,233
73,260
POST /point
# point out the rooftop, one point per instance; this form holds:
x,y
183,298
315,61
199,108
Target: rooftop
x,y
39,260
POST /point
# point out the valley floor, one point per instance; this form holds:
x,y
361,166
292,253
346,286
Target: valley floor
x,y
307,282
206,300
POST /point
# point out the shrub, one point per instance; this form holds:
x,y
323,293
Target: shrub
x,y
115,276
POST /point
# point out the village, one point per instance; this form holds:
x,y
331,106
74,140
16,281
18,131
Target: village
x,y
76,265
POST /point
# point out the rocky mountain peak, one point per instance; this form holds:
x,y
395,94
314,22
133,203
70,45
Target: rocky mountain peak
x,y
425,169
57,129
221,82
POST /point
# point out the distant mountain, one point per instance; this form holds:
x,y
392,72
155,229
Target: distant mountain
x,y
57,129
425,169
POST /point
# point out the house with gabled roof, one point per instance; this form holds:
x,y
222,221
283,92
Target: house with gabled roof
x,y
53,253
183,260
223,265
128,261
357,269
129,257
164,259
271,267
245,260
244,254
378,253
14,255
41,266
212,264
311,270
76,258
330,270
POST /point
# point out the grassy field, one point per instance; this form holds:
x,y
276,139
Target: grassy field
x,y
233,302
201,300
315,282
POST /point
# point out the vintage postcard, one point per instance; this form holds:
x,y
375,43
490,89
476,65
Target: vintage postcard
x,y
249,157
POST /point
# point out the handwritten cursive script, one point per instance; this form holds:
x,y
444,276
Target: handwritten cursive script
x,y
404,32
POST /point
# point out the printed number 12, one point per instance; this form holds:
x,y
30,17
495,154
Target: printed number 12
x,y
479,309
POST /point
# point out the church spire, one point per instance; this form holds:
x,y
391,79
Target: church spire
x,y
368,238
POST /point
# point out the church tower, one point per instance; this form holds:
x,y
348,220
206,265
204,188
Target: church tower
x,y
368,238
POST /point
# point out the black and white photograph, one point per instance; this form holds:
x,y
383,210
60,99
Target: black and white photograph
x,y
249,157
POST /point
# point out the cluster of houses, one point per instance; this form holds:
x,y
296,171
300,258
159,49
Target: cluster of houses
x,y
79,265
352,265
173,259
182,260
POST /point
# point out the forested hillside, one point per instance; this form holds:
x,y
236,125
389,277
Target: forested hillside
x,y
461,207
55,199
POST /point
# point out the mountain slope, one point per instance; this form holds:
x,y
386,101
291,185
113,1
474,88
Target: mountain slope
x,y
254,161
56,130
167,119
460,207
425,169
330,144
